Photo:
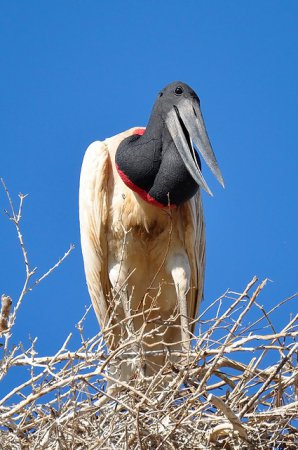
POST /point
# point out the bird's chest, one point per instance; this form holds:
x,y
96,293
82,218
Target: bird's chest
x,y
135,227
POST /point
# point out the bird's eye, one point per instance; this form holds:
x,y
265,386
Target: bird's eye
x,y
178,90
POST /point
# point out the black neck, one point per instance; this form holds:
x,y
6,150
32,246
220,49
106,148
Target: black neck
x,y
151,163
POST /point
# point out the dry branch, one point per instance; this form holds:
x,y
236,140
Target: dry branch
x,y
213,400
236,389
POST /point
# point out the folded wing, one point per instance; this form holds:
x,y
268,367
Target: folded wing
x,y
93,211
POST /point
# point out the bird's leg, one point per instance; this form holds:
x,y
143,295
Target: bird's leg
x,y
119,278
179,267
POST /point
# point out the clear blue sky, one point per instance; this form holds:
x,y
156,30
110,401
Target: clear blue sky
x,y
77,71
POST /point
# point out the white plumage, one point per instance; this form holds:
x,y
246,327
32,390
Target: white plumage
x,y
151,254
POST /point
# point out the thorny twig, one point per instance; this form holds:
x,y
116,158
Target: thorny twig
x,y
8,320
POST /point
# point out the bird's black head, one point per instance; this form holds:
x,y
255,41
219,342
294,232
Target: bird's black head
x,y
178,107
173,94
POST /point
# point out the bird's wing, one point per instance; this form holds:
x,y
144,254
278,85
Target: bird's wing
x,y
93,209
194,239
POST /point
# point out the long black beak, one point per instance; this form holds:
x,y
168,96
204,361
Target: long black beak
x,y
186,126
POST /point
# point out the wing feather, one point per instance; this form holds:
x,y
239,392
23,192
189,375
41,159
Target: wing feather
x,y
93,211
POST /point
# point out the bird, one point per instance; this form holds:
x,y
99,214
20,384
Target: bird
x,y
142,227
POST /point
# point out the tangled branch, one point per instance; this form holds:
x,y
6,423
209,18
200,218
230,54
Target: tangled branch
x,y
236,389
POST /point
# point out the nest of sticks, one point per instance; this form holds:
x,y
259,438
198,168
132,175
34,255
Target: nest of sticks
x,y
236,388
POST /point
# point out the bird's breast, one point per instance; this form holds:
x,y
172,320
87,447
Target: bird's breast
x,y
127,209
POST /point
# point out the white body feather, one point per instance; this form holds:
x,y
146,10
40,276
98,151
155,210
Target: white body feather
x,y
156,254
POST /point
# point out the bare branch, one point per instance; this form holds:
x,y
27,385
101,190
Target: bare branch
x,y
235,389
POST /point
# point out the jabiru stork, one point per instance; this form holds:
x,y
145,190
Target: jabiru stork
x,y
142,224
